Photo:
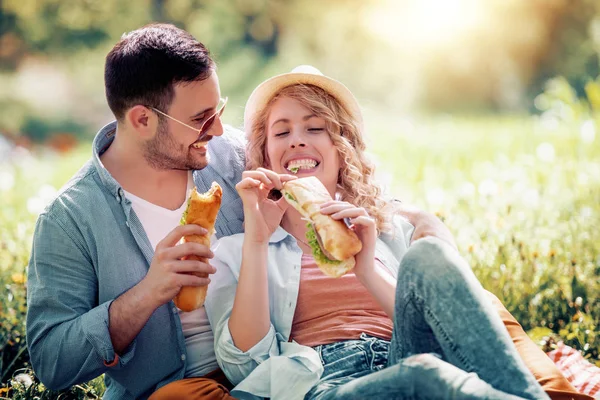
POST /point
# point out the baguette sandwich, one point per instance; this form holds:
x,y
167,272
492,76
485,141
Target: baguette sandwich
x,y
333,243
202,209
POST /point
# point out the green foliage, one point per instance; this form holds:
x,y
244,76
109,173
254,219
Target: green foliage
x,y
519,193
24,385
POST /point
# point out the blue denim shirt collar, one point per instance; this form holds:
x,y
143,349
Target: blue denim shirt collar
x,y
102,141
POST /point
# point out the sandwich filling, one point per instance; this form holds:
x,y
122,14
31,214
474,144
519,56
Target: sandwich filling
x,y
319,254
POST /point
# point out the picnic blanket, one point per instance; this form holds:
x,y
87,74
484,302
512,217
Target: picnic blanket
x,y
581,373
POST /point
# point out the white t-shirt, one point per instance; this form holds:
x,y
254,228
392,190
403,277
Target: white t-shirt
x,y
199,340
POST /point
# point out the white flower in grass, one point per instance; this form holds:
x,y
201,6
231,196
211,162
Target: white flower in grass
x,y
23,379
466,190
436,196
488,188
586,212
45,195
7,180
545,152
588,131
531,198
35,205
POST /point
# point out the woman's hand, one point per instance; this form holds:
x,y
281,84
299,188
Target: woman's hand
x,y
262,215
365,228
380,283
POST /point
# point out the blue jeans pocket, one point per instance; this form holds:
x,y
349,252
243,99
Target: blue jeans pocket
x,y
344,359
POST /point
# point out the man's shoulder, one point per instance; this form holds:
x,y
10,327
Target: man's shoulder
x,y
79,195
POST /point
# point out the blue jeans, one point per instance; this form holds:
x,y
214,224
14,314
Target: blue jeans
x,y
441,309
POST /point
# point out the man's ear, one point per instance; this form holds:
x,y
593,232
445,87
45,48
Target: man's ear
x,y
142,120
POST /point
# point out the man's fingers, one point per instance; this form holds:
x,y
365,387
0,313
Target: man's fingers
x,y
185,250
192,280
190,266
180,231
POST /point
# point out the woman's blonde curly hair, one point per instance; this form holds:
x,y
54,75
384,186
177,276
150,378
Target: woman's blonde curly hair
x,y
356,183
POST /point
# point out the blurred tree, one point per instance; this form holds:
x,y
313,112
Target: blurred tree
x,y
375,46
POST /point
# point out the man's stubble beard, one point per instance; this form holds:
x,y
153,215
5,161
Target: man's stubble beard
x,y
162,152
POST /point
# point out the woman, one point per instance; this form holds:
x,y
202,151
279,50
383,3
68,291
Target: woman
x,y
365,335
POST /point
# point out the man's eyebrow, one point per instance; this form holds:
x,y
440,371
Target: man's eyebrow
x,y
198,114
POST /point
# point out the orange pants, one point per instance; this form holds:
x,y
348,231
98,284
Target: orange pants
x,y
213,386
542,367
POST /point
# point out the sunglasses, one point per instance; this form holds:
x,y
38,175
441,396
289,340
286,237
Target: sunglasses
x,y
202,132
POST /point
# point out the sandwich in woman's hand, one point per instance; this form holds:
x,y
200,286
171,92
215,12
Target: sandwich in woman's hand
x,y
333,243
202,209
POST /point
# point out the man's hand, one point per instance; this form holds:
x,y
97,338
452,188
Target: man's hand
x,y
169,272
426,224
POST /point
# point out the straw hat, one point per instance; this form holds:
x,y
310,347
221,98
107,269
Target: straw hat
x,y
303,74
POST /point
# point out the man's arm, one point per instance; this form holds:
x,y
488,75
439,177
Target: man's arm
x,y
426,224
67,332
168,273
70,337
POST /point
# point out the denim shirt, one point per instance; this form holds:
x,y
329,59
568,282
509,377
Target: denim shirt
x,y
276,367
89,247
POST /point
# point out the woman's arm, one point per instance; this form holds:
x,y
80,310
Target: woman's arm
x,y
426,224
250,321
381,284
375,279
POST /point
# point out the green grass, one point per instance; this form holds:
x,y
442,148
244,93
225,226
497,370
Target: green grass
x,y
528,223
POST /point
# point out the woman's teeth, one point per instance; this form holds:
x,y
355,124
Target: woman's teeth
x,y
295,165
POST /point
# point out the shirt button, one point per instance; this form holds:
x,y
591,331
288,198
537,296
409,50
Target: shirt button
x,y
290,304
121,192
183,357
174,310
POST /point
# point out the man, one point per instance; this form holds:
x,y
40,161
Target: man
x,y
105,263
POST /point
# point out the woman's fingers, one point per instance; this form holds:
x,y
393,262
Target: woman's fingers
x,y
259,176
363,221
276,179
342,209
339,210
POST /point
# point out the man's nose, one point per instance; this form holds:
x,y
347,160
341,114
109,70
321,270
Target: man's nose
x,y
217,127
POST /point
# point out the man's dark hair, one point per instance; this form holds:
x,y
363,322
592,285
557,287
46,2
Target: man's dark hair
x,y
146,64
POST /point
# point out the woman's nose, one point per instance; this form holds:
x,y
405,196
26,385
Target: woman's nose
x,y
296,141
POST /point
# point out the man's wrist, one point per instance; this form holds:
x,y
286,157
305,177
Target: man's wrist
x,y
146,297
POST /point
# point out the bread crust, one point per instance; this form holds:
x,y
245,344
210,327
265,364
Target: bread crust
x,y
202,210
339,241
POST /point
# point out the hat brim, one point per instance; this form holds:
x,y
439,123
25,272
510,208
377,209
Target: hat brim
x,y
269,88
